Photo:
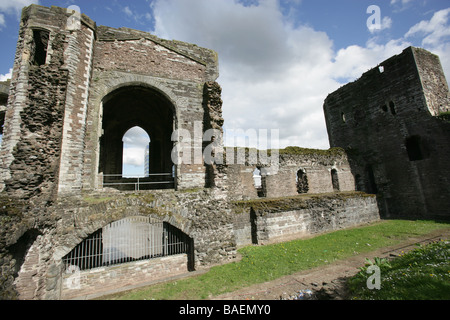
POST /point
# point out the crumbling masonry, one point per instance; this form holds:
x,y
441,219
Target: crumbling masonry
x,y
72,226
393,122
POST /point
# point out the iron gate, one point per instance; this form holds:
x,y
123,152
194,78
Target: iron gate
x,y
127,240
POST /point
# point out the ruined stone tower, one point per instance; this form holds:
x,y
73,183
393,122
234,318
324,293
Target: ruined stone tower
x,y
96,83
392,121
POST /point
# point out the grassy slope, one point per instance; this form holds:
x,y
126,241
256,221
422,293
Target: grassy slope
x,y
265,263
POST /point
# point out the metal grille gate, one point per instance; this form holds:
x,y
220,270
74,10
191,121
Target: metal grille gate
x,y
126,240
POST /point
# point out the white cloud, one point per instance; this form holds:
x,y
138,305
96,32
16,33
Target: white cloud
x,y
401,5
8,7
128,11
386,23
434,35
136,136
134,157
4,77
137,16
403,2
353,61
275,75
435,29
272,74
16,6
134,141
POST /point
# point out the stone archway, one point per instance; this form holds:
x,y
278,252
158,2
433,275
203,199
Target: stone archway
x,y
93,219
147,108
107,85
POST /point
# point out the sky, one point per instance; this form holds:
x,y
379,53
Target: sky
x,y
278,59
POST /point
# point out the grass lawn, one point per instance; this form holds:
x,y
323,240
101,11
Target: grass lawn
x,y
421,274
264,263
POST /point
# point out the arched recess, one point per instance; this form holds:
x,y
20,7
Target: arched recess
x,y
20,249
3,103
130,239
149,109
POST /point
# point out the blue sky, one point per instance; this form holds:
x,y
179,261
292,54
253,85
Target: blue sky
x,y
278,59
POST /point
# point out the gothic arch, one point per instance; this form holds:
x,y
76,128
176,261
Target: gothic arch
x,y
103,85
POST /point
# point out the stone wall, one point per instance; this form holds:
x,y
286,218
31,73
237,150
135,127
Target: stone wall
x,y
176,70
386,122
281,180
266,221
35,158
80,284
70,220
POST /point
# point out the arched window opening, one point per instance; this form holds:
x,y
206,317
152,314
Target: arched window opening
x,y
335,179
259,181
136,153
302,181
127,240
39,47
257,178
2,123
20,249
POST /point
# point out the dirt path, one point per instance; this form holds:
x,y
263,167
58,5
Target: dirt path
x,y
326,282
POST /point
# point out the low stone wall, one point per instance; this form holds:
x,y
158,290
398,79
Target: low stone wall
x,y
77,284
273,220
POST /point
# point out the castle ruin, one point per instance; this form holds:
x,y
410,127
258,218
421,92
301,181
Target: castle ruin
x,y
72,225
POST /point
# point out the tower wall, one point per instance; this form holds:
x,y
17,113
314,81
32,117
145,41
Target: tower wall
x,y
388,122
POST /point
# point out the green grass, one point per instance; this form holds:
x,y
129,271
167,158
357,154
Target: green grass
x,y
422,274
264,263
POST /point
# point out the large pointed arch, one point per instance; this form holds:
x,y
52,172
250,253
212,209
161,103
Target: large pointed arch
x,y
149,109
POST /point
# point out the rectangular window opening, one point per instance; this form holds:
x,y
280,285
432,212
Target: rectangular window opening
x,y
39,49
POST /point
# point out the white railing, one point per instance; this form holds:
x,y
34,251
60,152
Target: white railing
x,y
140,180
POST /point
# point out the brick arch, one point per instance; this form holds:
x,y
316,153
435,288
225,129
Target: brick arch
x,y
104,87
96,217
104,84
136,105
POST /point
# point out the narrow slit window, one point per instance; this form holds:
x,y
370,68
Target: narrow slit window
x,y
40,44
259,181
392,108
335,179
2,123
302,181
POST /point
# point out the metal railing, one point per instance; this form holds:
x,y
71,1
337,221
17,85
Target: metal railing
x,y
127,240
117,180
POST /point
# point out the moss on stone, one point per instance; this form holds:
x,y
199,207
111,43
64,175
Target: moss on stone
x,y
96,200
307,151
294,202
